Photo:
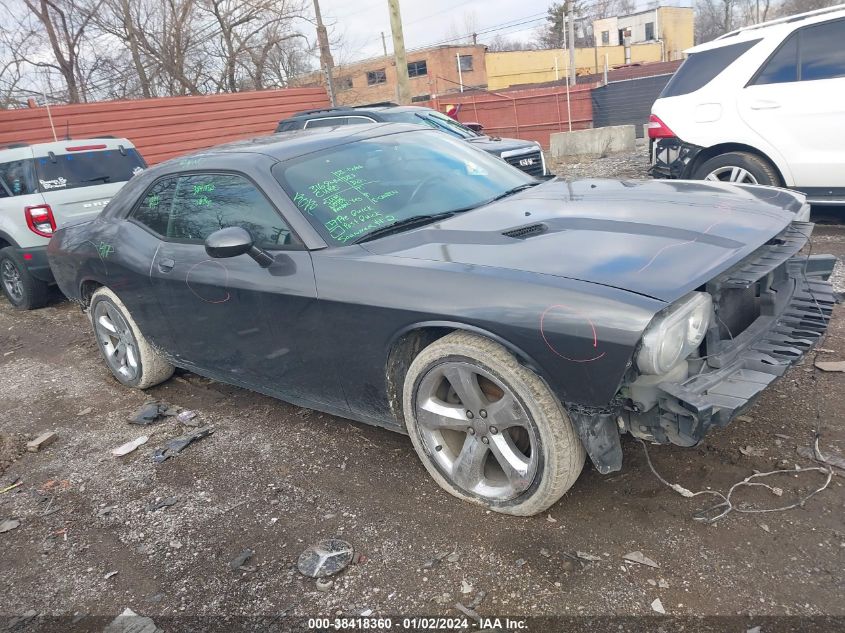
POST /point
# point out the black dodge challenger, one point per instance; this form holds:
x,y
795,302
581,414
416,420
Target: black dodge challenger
x,y
396,276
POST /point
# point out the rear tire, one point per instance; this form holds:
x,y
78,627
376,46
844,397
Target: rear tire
x,y
23,291
741,168
129,356
500,438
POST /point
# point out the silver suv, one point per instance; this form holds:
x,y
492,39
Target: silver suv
x,y
47,185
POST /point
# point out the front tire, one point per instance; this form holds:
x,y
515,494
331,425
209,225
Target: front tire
x,y
488,429
741,168
129,356
23,291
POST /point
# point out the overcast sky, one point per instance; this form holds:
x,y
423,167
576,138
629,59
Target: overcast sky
x,y
425,22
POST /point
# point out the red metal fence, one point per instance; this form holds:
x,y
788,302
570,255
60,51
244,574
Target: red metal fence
x,y
165,127
531,114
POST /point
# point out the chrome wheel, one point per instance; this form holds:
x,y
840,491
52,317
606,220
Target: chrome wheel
x,y
732,174
12,280
478,434
116,339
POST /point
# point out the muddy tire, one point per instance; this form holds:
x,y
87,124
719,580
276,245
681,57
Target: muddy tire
x,y
488,429
23,291
738,168
129,356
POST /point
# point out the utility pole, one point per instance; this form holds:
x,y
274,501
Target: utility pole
x,y
403,88
384,43
570,18
326,61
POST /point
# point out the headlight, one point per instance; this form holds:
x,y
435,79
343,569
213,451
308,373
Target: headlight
x,y
675,333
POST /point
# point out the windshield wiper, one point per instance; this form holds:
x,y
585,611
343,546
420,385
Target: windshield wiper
x,y
407,223
103,178
513,190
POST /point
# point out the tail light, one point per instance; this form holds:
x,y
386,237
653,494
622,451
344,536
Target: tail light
x,y
658,129
40,220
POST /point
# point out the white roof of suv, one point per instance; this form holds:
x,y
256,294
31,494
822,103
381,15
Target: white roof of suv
x,y
777,28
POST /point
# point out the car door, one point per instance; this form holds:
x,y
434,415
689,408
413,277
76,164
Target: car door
x,y
230,317
795,101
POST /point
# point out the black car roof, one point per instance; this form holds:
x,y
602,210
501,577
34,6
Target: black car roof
x,y
374,108
286,145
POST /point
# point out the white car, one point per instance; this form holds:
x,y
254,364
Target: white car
x,y
44,186
761,105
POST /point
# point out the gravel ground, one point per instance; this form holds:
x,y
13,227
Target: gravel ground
x,y
274,478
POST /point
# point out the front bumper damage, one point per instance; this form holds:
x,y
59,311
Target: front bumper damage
x,y
770,310
794,302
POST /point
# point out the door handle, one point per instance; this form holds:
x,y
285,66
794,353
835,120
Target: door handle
x,y
764,104
166,265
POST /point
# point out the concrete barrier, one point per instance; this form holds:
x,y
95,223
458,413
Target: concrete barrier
x,y
594,142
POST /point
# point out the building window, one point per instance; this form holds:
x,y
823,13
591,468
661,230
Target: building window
x,y
343,83
417,69
376,77
465,62
649,31
420,98
605,38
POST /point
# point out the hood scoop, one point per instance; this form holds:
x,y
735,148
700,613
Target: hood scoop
x,y
524,232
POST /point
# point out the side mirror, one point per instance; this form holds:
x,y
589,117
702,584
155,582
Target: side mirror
x,y
233,241
475,127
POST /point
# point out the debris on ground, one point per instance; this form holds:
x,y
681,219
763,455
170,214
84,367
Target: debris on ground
x,y
588,557
453,557
42,441
177,445
359,558
323,584
838,366
110,575
14,485
105,511
750,451
465,586
765,528
125,449
833,460
639,558
186,416
520,562
158,504
85,411
8,525
131,622
325,558
468,611
241,559
149,413
657,606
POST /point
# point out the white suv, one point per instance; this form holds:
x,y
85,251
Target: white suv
x,y
47,185
762,105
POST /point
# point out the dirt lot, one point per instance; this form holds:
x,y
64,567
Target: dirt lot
x,y
274,478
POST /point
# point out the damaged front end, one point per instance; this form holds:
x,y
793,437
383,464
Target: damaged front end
x,y
767,313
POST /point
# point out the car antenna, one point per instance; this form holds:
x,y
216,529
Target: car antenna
x,y
49,115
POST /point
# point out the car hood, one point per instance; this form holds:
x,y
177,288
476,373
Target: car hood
x,y
660,239
496,145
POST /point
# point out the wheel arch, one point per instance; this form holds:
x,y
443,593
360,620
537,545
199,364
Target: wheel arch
x,y
6,240
408,342
87,288
723,148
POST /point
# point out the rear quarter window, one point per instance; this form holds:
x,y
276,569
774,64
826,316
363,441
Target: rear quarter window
x,y
86,169
700,69
17,178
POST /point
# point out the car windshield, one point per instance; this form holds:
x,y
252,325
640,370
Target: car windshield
x,y
433,118
85,169
353,189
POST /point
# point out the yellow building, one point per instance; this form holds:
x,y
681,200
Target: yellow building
x,y
673,28
524,67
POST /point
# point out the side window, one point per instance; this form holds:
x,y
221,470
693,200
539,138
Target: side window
x,y
782,67
823,51
154,210
16,179
327,122
204,203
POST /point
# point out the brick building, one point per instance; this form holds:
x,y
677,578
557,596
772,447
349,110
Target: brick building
x,y
432,71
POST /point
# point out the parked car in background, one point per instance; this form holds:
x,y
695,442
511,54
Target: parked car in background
x,y
762,105
525,155
44,186
396,276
